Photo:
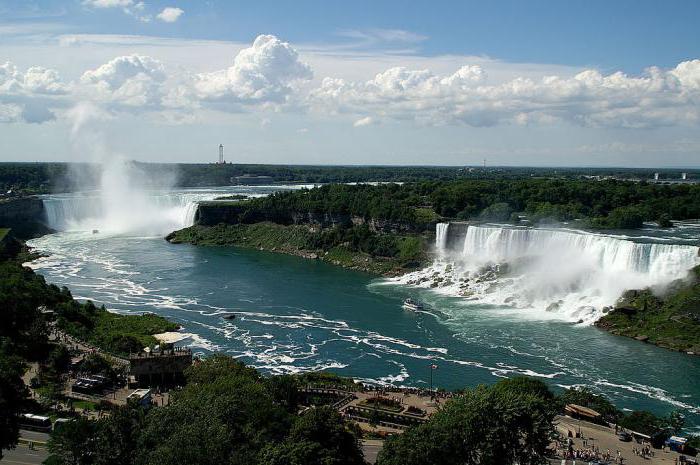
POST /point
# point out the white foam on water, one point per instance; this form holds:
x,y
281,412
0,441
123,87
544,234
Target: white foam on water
x,y
547,273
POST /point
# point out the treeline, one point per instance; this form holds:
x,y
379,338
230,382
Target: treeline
x,y
54,177
596,204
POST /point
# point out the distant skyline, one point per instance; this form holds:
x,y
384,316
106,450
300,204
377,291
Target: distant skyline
x,y
539,83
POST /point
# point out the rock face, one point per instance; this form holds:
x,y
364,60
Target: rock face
x,y
213,213
25,216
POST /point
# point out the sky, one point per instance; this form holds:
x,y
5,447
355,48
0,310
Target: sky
x,y
536,83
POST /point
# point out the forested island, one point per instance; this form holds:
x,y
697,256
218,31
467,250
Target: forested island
x,y
385,228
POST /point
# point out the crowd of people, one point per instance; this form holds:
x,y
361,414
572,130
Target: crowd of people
x,y
588,453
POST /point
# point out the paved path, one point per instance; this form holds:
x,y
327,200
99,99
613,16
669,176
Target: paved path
x,y
22,455
370,448
604,438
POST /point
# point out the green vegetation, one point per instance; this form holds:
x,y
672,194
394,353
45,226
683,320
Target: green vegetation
x,y
115,333
417,206
226,413
671,320
486,426
24,337
354,247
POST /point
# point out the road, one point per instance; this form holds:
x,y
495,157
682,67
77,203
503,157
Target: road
x,y
23,455
371,448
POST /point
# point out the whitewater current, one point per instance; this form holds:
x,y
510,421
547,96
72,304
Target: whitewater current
x,y
549,273
488,314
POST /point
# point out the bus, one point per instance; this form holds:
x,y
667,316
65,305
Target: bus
x,y
33,422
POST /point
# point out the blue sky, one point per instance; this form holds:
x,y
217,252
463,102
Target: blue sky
x,y
518,83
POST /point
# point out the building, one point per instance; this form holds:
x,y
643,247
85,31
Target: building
x,y
140,397
221,154
164,365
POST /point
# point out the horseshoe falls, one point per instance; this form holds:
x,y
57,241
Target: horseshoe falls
x,y
148,213
549,273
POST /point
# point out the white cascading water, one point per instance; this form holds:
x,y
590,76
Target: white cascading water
x,y
549,273
128,202
155,213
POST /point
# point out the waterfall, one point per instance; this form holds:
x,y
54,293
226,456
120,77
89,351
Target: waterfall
x,y
441,237
554,273
154,213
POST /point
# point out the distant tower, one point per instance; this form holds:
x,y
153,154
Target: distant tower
x,y
656,176
684,176
484,163
221,154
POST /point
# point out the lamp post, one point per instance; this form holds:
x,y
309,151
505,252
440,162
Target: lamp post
x,y
432,367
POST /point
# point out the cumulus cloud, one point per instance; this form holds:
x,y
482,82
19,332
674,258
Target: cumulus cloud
x,y
266,72
29,96
589,98
134,81
170,14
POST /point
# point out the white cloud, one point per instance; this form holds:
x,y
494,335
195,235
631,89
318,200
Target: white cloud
x,y
108,3
29,96
266,72
170,14
135,81
129,7
657,98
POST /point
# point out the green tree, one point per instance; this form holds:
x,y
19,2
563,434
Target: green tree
x,y
12,395
73,443
117,435
485,426
319,437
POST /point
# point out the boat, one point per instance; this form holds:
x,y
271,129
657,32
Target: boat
x,y
411,304
95,231
228,316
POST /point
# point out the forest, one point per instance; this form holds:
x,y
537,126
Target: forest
x,y
416,206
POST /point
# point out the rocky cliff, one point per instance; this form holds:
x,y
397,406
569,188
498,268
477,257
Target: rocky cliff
x,y
232,213
25,216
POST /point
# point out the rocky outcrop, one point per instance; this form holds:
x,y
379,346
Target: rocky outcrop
x,y
25,216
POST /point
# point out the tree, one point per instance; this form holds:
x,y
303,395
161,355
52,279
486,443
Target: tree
x,y
319,437
225,414
642,422
486,426
284,389
525,385
73,443
12,395
116,437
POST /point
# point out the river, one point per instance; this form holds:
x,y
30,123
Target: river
x,y
295,314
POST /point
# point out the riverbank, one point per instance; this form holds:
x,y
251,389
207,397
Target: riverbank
x,y
670,320
409,250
